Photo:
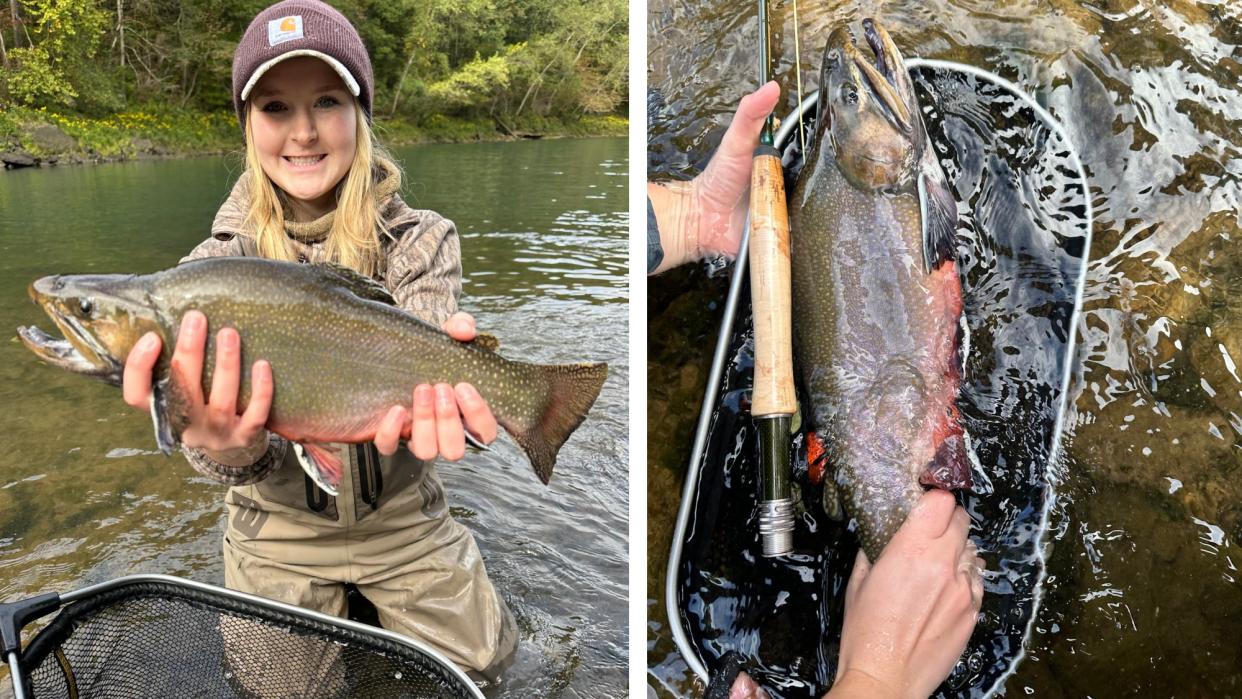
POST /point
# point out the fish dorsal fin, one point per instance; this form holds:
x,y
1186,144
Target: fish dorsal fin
x,y
939,219
362,286
487,342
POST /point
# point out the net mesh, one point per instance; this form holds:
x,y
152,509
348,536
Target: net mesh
x,y
161,639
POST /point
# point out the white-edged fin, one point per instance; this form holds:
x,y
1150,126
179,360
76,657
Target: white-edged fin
x,y
474,442
963,347
980,483
939,212
164,436
316,462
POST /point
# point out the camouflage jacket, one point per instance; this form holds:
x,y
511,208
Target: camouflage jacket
x,y
421,269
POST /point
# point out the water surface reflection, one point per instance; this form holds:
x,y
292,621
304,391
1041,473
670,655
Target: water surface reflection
x,y
84,497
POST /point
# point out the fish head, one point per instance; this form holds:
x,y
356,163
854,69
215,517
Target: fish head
x,y
870,110
101,318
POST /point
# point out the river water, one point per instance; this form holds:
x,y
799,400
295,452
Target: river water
x,y
1142,595
85,497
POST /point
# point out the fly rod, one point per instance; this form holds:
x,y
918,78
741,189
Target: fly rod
x,y
772,398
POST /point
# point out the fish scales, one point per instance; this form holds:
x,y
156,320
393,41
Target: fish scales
x,y
378,372
341,353
876,297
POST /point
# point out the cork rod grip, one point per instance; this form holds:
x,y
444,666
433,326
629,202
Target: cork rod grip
x,y
770,288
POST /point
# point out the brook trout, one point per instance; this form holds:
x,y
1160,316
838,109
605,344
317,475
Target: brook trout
x,y
342,354
876,296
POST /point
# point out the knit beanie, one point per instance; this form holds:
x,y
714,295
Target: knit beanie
x,y
301,28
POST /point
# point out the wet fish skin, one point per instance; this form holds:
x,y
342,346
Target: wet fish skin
x,y
877,300
341,353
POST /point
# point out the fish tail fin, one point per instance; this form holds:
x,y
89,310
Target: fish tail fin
x,y
572,390
321,463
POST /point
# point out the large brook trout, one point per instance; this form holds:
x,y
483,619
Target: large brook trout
x,y
877,301
341,353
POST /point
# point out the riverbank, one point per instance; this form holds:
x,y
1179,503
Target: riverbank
x,y
40,137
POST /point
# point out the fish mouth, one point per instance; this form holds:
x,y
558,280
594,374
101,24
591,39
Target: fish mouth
x,y
881,47
78,351
879,161
56,351
884,73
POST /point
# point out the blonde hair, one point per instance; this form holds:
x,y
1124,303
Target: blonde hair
x,y
354,238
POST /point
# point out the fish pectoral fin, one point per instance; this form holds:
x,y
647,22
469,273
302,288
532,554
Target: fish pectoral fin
x,y
475,441
159,417
939,211
169,413
816,459
820,471
322,463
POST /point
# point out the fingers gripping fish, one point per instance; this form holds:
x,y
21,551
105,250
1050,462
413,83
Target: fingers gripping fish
x,y
341,353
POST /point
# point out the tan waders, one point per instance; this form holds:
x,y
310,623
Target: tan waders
x,y
389,533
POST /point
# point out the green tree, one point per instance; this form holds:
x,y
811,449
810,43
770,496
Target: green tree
x,y
33,80
58,69
504,60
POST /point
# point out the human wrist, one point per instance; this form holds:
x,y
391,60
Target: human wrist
x,y
676,206
856,684
718,224
240,456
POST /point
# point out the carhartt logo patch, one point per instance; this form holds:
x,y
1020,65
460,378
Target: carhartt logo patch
x,y
284,29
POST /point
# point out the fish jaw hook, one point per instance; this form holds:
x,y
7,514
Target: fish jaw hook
x,y
883,88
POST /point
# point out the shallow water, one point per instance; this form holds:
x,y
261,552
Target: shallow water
x,y
1020,243
1142,594
85,497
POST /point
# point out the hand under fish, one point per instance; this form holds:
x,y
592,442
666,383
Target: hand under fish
x,y
339,351
440,423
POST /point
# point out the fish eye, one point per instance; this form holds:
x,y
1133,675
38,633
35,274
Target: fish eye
x,y
86,307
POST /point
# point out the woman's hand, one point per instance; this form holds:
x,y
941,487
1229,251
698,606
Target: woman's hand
x,y
441,413
909,616
706,216
214,424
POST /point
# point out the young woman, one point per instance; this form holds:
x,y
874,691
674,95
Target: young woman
x,y
317,188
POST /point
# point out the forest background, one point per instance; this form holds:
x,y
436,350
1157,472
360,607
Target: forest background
x,y
112,79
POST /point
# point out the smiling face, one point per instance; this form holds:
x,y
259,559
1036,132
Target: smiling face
x,y
303,127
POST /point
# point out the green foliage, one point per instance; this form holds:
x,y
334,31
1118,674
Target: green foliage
x,y
126,134
34,80
473,87
66,36
498,65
